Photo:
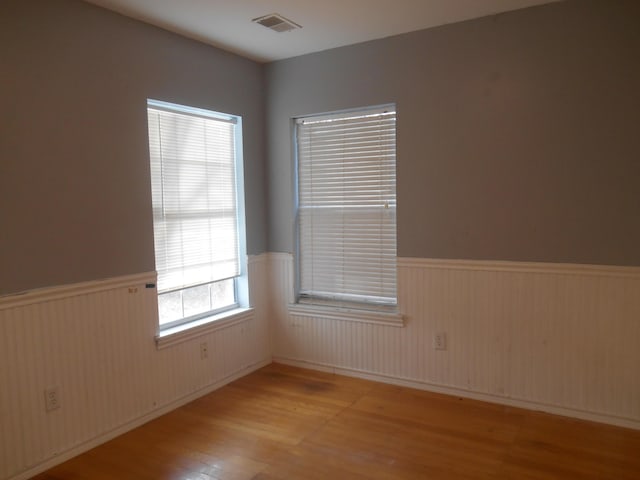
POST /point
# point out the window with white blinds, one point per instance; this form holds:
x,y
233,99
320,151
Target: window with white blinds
x,y
195,210
347,208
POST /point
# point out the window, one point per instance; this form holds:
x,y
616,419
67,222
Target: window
x,y
347,209
198,219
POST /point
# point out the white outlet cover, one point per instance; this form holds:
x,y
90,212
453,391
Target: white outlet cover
x,y
440,341
51,399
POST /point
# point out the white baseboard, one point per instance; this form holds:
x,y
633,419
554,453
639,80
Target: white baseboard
x,y
105,437
458,392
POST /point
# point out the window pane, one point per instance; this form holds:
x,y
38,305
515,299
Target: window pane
x,y
223,294
170,307
196,300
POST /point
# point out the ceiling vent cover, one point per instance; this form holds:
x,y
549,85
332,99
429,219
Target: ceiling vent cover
x,y
277,23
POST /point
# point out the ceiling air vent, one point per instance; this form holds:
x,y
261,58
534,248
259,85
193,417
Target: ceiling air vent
x,y
277,23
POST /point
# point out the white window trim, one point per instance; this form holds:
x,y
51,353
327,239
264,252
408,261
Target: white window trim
x,y
203,326
390,319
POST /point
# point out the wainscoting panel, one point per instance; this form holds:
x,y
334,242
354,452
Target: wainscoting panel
x,y
95,343
559,338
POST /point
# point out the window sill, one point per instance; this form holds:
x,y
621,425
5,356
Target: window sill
x,y
197,328
391,319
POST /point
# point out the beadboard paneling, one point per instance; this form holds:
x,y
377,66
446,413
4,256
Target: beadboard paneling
x,y
95,342
561,338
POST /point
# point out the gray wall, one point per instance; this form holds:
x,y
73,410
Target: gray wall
x,y
518,134
75,199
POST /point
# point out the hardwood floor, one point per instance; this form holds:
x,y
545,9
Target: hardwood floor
x,y
283,423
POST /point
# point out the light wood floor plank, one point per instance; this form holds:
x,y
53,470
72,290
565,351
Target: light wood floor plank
x,y
283,423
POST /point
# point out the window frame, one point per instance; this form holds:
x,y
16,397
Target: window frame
x,y
340,308
240,282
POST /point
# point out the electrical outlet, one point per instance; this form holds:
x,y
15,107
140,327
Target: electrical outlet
x,y
204,352
51,399
440,341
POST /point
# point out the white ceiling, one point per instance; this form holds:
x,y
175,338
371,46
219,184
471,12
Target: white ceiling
x,y
326,23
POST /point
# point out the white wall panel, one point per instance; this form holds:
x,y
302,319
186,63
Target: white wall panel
x,y
562,338
95,342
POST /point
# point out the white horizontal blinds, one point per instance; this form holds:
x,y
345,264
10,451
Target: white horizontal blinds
x,y
194,198
347,207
